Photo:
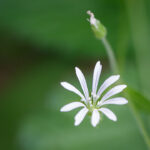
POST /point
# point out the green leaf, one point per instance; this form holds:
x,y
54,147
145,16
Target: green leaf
x,y
140,106
140,101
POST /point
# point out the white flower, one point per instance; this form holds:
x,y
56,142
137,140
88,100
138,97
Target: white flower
x,y
94,102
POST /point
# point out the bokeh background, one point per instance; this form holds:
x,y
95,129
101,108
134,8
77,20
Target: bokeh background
x,y
41,41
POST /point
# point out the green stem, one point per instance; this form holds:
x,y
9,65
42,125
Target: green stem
x,y
114,68
110,54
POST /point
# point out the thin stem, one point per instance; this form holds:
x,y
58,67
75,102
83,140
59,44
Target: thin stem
x,y
114,68
111,55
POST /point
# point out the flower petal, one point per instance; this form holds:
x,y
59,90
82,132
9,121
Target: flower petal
x,y
71,106
107,83
71,88
80,116
117,89
95,118
82,81
108,113
117,101
96,75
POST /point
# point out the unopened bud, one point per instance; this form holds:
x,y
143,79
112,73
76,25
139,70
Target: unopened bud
x,y
97,27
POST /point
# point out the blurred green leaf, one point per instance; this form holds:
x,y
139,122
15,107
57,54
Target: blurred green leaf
x,y
140,107
140,101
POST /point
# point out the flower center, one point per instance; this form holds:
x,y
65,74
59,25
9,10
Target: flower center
x,y
92,102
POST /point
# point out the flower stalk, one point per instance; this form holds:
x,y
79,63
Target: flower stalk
x,y
111,56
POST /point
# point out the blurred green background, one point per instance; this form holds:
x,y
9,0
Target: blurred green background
x,y
41,41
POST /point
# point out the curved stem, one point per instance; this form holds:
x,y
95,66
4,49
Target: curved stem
x,y
111,55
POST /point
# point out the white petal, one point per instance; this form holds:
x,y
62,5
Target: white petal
x,y
107,83
92,18
71,106
117,101
95,118
108,113
82,82
96,75
117,89
80,116
71,88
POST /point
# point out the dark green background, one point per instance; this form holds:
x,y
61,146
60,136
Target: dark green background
x,y
41,41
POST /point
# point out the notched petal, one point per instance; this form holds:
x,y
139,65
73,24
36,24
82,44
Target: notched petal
x,y
80,116
71,88
71,106
82,81
108,113
117,89
95,118
108,82
116,101
96,75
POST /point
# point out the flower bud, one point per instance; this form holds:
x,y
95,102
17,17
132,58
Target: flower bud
x,y
97,27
